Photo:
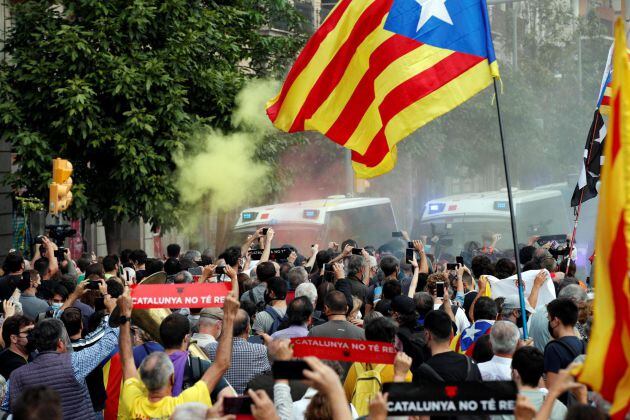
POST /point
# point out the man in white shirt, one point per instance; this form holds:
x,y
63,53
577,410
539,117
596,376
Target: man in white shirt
x,y
210,322
504,338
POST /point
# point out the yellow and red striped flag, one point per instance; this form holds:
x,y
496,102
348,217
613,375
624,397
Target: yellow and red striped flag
x,y
377,70
607,366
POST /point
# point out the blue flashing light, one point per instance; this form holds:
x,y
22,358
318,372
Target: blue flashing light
x,y
435,208
248,216
501,206
311,214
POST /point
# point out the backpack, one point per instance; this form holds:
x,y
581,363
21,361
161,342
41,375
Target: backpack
x,y
194,370
260,305
368,384
568,398
277,319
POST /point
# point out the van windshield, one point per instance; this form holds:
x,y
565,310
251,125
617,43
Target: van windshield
x,y
458,234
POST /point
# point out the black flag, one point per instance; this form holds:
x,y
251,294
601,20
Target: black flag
x,y
592,163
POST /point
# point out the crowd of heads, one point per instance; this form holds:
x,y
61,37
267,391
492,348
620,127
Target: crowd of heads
x,y
60,305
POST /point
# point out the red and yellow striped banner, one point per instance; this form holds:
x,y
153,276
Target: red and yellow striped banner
x,y
607,366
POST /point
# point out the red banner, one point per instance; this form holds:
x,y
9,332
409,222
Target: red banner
x,y
344,350
191,295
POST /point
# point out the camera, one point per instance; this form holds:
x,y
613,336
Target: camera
x,y
58,233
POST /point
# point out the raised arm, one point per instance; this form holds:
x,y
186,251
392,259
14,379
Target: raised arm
x,y
267,250
234,279
414,279
538,283
53,265
249,241
483,283
78,292
424,263
124,340
346,251
311,261
224,349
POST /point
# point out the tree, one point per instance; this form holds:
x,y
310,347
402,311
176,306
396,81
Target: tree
x,y
117,87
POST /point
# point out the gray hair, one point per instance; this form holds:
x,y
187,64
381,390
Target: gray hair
x,y
355,265
307,290
193,255
297,276
573,292
371,317
190,411
504,337
156,370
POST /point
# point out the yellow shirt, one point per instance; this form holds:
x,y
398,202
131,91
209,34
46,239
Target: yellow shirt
x,y
387,375
136,405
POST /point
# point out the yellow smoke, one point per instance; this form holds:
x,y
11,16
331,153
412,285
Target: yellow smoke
x,y
224,169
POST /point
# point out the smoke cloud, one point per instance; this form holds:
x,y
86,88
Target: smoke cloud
x,y
225,170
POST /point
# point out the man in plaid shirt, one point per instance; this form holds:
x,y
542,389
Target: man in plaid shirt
x,y
248,359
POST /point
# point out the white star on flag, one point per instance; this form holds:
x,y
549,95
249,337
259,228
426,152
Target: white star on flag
x,y
471,332
433,8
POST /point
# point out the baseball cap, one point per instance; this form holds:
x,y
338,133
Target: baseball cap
x,y
513,302
403,305
212,313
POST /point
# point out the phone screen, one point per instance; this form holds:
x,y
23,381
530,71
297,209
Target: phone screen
x,y
92,285
440,289
264,231
460,260
409,255
357,251
237,405
289,369
219,270
451,266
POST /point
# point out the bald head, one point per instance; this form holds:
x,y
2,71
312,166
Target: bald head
x,y
156,371
241,324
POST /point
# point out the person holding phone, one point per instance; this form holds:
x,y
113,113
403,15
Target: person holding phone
x,y
146,391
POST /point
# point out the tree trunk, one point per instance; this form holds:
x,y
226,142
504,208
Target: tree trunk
x,y
113,236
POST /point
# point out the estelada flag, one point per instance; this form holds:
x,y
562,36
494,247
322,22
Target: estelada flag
x,y
607,365
377,70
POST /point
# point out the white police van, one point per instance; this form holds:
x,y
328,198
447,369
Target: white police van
x,y
369,221
459,219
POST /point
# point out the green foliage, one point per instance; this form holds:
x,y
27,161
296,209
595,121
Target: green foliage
x,y
117,87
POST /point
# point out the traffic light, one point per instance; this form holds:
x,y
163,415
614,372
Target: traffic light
x,y
60,194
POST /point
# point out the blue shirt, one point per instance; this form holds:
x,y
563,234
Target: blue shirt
x,y
85,361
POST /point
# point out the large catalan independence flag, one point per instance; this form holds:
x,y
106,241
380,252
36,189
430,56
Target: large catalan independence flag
x,y
607,365
377,70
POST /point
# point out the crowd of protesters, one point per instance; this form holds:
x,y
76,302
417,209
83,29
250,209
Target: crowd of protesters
x,y
71,347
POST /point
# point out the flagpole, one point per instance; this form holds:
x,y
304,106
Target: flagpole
x,y
521,294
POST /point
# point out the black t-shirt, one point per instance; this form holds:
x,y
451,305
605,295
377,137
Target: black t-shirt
x,y
9,361
561,352
451,366
8,284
